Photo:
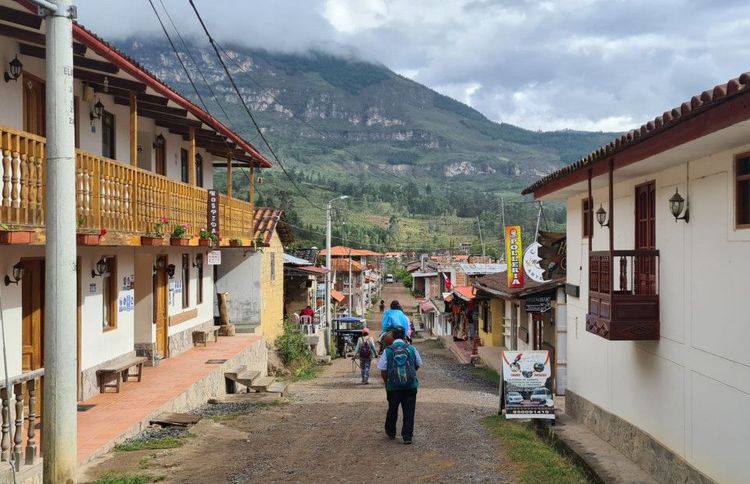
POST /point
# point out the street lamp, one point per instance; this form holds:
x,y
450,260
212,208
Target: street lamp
x,y
329,207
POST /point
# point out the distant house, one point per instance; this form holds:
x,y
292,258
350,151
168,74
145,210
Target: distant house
x,y
658,257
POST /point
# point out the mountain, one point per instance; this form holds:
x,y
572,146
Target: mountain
x,y
342,125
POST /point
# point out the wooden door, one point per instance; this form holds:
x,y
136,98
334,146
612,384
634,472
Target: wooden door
x,y
33,104
32,302
645,237
79,304
161,157
160,306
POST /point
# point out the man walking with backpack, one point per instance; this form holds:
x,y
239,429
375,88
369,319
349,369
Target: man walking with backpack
x,y
365,350
398,365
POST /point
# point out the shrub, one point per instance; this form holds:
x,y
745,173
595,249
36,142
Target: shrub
x,y
295,352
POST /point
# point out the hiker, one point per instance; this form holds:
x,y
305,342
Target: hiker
x,y
393,318
382,306
398,365
365,350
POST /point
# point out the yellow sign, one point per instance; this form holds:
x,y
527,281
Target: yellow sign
x,y
514,256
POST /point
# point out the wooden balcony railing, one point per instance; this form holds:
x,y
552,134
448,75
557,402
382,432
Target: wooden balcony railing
x,y
624,305
109,195
18,440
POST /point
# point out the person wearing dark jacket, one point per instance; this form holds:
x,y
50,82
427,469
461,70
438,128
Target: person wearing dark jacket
x,y
398,365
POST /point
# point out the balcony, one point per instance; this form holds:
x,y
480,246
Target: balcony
x,y
124,200
625,307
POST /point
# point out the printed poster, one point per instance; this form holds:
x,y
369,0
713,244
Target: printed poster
x,y
514,256
527,384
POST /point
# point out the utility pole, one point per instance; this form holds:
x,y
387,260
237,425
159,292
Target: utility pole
x,y
59,425
502,229
350,282
329,208
481,240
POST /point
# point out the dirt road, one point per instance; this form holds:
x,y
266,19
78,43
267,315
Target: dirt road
x,y
332,430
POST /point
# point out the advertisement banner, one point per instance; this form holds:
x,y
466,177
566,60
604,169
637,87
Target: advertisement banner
x,y
514,256
527,384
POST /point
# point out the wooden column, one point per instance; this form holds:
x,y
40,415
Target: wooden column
x,y
133,129
191,158
591,214
251,192
611,205
229,176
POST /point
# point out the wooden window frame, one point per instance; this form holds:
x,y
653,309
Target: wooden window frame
x,y
199,170
199,287
739,204
110,293
185,281
184,166
586,220
113,141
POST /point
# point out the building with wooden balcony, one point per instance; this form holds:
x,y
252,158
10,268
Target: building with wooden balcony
x,y
658,252
144,175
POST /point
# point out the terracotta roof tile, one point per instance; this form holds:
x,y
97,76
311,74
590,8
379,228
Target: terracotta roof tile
x,y
268,220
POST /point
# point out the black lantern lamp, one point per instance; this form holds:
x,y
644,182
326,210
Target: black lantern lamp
x,y
17,275
101,268
14,70
159,141
170,270
601,217
198,261
676,204
96,112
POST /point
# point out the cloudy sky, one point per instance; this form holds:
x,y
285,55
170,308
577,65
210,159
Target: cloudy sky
x,y
542,64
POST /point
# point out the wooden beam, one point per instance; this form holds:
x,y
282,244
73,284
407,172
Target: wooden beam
x,y
125,94
229,176
125,101
27,19
34,37
191,157
78,61
99,78
251,192
167,121
133,129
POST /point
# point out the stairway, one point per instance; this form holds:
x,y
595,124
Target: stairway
x,y
253,381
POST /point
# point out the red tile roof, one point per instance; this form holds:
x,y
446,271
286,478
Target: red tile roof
x,y
268,220
464,292
698,104
338,296
342,265
341,251
498,284
312,269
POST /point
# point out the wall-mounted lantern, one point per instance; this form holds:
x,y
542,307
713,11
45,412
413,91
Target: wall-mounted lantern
x,y
170,271
15,67
97,110
601,217
101,268
17,274
676,205
159,141
198,261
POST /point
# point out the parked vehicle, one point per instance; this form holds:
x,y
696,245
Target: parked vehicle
x,y
541,395
513,397
389,278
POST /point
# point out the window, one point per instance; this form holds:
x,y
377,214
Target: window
x,y
486,323
199,263
742,189
108,135
586,214
198,170
184,172
185,281
109,294
273,266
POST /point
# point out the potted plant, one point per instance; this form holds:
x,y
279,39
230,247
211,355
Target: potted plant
x,y
180,236
88,236
207,239
13,235
156,237
235,242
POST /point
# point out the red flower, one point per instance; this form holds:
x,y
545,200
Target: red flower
x,y
103,232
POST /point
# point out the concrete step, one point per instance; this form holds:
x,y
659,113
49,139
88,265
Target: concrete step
x,y
278,387
261,384
243,376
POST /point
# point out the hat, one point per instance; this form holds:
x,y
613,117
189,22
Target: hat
x,y
365,331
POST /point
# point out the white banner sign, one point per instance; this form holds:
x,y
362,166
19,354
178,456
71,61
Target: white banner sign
x,y
214,258
527,384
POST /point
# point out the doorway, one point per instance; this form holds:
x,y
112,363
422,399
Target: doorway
x,y
33,104
160,306
160,154
32,322
645,238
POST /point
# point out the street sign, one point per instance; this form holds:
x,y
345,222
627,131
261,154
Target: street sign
x,y
213,214
538,304
214,258
514,255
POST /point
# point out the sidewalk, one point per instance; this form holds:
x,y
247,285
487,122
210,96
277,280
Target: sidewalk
x,y
177,385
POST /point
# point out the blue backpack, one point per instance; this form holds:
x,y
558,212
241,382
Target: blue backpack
x,y
402,371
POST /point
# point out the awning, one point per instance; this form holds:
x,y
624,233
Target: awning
x,y
313,270
338,296
427,306
464,292
447,296
290,259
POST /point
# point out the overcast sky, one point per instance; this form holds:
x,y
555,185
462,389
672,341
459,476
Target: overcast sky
x,y
582,64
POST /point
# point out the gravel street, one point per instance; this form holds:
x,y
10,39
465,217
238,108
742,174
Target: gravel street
x,y
332,430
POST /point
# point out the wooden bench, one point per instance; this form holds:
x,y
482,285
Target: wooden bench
x,y
201,336
120,373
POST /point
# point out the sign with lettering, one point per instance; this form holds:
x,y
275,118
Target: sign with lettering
x,y
513,255
538,304
213,258
527,384
213,213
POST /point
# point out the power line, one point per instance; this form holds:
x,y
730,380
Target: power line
x,y
247,109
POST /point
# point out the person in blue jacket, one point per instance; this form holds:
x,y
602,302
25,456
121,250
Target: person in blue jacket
x,y
393,318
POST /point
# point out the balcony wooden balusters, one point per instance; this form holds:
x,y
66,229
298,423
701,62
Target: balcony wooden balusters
x,y
21,200
13,446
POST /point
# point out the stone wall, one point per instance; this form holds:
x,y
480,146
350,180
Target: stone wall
x,y
89,379
638,446
183,340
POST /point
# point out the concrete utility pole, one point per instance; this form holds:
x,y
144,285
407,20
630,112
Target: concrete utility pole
x,y
350,281
329,208
59,425
481,240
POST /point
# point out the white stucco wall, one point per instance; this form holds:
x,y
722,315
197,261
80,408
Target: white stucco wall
x,y
239,275
689,390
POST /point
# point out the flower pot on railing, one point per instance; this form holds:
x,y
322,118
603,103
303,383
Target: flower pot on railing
x,y
235,243
205,242
90,238
179,241
15,237
150,240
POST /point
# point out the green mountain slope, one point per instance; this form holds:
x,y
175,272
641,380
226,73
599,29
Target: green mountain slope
x,y
400,149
